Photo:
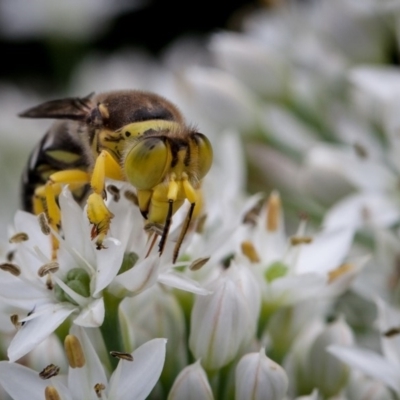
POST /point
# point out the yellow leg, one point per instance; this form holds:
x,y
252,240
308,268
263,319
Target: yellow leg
x,y
97,212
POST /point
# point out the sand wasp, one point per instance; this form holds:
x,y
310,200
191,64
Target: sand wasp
x,y
132,136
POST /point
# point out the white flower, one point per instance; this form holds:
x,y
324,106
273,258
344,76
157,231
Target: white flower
x,y
386,367
225,321
132,380
74,288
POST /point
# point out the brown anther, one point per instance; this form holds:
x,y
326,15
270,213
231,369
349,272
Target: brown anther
x,y
50,267
197,264
44,226
49,283
49,371
19,237
10,256
115,192
251,215
50,393
15,321
250,252
273,212
297,240
132,197
337,272
360,150
11,268
74,352
392,331
122,355
98,388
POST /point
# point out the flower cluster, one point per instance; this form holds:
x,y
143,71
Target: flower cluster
x,y
263,302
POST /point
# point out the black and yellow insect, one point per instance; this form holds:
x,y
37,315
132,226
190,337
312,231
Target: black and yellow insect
x,y
131,135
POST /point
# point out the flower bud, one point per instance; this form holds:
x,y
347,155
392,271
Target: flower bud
x,y
225,320
326,372
260,378
191,383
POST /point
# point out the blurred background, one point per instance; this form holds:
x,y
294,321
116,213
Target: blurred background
x,y
284,77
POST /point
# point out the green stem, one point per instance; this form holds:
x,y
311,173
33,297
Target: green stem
x,y
110,329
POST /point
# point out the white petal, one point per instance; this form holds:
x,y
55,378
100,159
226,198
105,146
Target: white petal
x,y
11,377
179,281
370,363
326,252
81,381
143,275
108,261
91,316
37,329
365,208
136,379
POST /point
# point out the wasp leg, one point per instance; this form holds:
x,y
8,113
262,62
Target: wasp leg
x,y
192,196
98,213
45,198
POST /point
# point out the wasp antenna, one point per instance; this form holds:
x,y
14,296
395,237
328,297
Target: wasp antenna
x,y
74,108
182,235
167,225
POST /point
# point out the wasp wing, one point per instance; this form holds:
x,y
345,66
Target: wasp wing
x,y
73,108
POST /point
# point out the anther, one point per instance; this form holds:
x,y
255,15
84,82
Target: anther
x,y
74,352
201,221
392,332
297,240
122,355
50,393
132,197
115,192
49,371
15,321
273,212
197,264
44,226
337,272
250,252
11,268
19,237
98,388
50,267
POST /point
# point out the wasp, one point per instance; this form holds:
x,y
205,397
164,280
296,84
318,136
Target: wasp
x,y
134,136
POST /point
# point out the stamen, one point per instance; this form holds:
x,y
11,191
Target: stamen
x,y
49,371
98,388
44,225
132,197
273,212
49,283
122,355
337,272
115,192
250,252
15,321
11,268
392,332
50,267
74,352
19,237
297,240
50,393
152,227
10,255
197,264
201,221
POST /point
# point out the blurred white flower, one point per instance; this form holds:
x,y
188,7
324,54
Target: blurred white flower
x,y
79,20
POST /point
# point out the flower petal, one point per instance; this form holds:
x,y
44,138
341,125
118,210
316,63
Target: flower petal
x,y
92,316
179,281
136,379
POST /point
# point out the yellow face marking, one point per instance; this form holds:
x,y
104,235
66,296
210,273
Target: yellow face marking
x,y
63,156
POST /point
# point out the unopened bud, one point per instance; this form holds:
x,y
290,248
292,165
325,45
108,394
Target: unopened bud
x,y
260,378
191,383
